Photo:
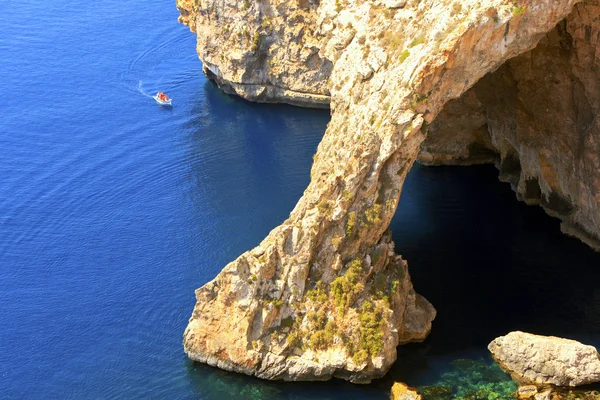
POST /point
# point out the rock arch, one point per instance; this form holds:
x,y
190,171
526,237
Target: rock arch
x,y
325,295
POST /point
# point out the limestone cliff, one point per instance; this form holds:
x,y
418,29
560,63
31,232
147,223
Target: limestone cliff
x,y
325,294
536,117
262,51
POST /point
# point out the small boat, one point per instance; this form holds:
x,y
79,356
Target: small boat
x,y
163,102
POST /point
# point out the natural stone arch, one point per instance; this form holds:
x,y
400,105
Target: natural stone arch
x,y
324,294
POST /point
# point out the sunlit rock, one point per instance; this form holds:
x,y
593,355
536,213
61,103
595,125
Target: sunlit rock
x,y
401,391
325,295
546,360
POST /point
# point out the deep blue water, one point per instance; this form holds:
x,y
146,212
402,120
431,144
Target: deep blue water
x,y
113,210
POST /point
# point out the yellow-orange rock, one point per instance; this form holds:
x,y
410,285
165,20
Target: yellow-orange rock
x,y
401,391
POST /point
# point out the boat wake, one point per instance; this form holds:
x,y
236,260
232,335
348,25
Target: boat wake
x,y
142,91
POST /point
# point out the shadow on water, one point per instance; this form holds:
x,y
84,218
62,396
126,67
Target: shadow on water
x,y
258,153
489,264
214,383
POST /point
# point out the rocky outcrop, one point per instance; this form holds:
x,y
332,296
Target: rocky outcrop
x,y
536,117
546,360
325,295
401,391
263,51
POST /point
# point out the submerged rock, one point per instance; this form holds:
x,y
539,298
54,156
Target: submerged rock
x,y
436,392
471,380
546,360
401,391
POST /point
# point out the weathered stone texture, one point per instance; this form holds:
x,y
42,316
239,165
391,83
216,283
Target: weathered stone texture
x,y
325,295
546,360
536,117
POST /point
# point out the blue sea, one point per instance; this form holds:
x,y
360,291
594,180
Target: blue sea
x,y
113,210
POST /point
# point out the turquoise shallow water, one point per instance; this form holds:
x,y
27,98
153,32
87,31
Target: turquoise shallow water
x,y
113,210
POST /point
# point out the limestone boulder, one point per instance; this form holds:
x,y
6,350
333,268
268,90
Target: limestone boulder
x,y
401,391
546,360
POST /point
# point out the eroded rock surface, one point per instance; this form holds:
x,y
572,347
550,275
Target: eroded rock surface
x,y
325,295
537,118
546,360
264,51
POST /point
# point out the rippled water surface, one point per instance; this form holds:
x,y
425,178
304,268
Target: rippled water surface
x,y
113,210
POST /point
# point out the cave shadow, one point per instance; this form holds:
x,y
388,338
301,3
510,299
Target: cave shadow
x,y
489,264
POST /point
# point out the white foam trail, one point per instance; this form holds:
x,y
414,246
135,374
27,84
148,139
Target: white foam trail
x,y
142,91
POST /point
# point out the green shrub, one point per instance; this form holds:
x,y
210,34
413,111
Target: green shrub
x,y
266,24
325,207
335,241
404,56
371,332
318,340
345,288
330,329
323,330
255,41
318,294
351,224
321,320
518,10
417,41
373,215
360,357
294,339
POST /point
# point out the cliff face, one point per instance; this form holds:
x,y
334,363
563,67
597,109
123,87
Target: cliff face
x,y
325,294
262,51
536,117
